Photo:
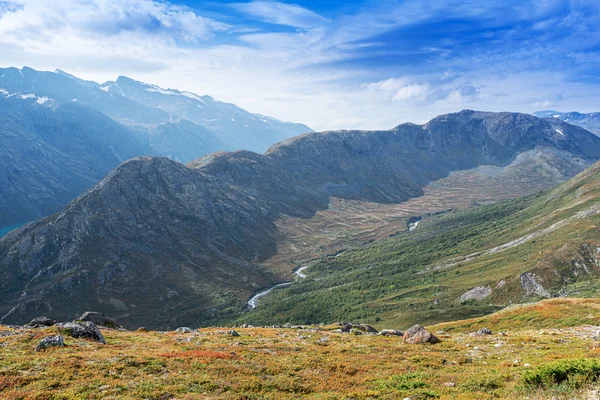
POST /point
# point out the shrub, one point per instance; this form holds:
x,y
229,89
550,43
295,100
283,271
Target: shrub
x,y
573,373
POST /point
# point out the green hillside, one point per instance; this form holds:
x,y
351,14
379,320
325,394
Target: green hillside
x,y
514,251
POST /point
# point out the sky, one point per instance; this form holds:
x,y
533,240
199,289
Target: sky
x,y
328,64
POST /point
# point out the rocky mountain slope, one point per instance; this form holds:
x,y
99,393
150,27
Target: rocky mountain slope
x,y
59,134
590,121
48,155
197,236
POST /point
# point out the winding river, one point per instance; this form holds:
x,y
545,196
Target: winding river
x,y
253,302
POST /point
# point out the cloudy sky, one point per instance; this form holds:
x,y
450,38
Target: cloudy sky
x,y
330,64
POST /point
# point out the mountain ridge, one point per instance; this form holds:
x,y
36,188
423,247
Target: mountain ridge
x,y
205,229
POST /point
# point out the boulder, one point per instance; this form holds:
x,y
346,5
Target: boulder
x,y
418,334
348,326
142,329
99,319
50,341
85,329
41,322
484,331
391,332
233,333
184,329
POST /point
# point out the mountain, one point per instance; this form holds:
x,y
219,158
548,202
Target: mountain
x,y
590,121
198,238
50,154
234,127
62,134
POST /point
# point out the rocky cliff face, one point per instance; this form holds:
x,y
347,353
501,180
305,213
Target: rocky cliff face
x,y
163,244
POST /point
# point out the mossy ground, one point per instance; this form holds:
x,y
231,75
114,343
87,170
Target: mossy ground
x,y
312,362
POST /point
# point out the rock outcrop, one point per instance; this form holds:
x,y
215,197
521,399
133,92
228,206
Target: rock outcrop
x,y
477,293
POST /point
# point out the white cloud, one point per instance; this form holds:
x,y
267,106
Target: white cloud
x,y
282,14
306,75
34,20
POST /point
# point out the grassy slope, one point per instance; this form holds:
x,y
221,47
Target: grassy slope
x,y
311,362
396,281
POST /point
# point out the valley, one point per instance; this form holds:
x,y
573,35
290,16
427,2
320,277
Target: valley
x,y
229,226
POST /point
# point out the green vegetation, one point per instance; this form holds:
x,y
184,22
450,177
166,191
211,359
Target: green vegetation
x,y
572,373
313,362
418,277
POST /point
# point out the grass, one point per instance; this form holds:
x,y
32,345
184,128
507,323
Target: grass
x,y
536,361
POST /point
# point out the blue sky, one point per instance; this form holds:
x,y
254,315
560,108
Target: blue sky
x,y
329,64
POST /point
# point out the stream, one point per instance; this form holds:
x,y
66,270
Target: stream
x,y
253,302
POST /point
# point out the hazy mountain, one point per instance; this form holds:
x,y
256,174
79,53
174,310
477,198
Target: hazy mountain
x,y
236,128
194,236
61,134
590,121
51,153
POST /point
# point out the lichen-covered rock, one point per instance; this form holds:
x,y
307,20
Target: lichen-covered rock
x,y
391,332
50,341
41,322
484,331
85,329
418,334
99,319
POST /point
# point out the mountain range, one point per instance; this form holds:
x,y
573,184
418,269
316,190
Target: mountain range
x,y
160,243
590,121
76,131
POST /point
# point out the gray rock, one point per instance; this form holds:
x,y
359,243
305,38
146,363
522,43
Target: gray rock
x,y
184,329
477,293
531,284
391,332
50,341
348,326
233,333
86,329
417,334
99,319
41,322
484,331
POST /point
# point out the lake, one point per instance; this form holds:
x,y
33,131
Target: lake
x,y
5,229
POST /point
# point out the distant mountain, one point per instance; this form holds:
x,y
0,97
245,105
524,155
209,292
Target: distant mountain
x,y
236,128
164,244
61,134
50,154
590,121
